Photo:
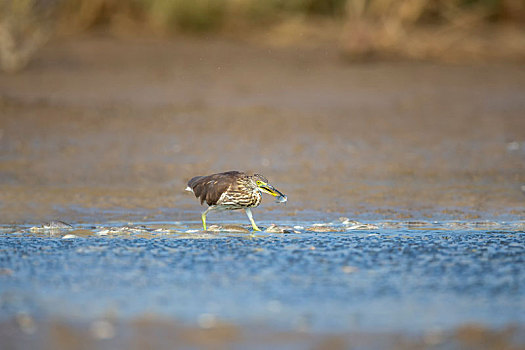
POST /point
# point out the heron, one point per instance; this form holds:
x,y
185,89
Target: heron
x,y
232,190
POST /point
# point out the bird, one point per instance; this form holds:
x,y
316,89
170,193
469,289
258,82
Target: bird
x,y
232,190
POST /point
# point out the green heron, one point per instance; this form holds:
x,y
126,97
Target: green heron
x,y
232,190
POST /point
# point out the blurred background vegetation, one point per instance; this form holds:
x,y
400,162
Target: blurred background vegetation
x,y
447,30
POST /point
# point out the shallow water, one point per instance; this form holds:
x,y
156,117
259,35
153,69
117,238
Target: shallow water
x,y
408,276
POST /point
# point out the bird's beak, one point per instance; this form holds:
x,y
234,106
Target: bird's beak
x,y
267,188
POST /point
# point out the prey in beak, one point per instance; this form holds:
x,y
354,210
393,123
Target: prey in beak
x,y
267,188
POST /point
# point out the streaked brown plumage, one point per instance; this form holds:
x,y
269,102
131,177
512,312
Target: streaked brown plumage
x,y
231,190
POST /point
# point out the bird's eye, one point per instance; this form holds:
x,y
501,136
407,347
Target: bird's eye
x,y
259,183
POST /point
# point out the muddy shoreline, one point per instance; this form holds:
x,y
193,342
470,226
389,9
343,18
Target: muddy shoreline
x,y
151,332
98,125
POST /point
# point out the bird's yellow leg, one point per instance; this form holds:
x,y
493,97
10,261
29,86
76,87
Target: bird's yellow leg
x,y
250,216
203,217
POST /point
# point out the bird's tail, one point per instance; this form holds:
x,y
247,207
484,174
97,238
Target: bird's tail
x,y
188,188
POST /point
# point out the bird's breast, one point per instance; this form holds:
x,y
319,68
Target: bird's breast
x,y
240,198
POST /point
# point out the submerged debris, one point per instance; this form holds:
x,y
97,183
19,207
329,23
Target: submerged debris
x,y
457,225
127,230
360,226
347,221
485,224
356,225
391,224
417,223
228,228
55,225
323,228
321,224
234,228
273,228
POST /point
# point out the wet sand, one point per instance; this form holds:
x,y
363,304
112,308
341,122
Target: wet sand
x,y
155,333
98,129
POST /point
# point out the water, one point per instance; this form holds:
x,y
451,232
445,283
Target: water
x,y
381,276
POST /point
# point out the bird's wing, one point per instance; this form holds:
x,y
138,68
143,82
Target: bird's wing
x,y
210,188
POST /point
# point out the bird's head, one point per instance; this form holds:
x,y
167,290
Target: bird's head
x,y
264,186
